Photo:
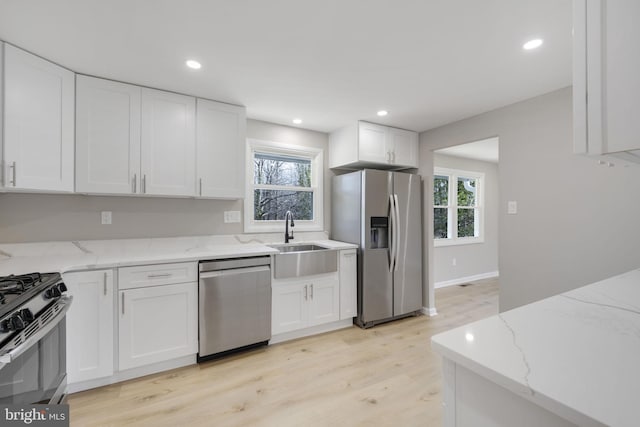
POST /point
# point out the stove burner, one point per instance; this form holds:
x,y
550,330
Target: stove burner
x,y
17,285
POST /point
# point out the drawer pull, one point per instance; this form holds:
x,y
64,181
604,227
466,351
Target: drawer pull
x,y
312,291
122,302
104,283
157,276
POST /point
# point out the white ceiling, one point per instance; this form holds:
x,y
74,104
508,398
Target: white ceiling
x,y
329,62
486,150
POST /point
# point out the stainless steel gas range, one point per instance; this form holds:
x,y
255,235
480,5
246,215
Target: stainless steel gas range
x,y
33,339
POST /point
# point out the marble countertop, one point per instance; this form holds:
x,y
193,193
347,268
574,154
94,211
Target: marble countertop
x,y
64,256
577,354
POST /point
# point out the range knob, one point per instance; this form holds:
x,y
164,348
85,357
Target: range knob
x,y
5,325
62,287
26,315
17,324
52,292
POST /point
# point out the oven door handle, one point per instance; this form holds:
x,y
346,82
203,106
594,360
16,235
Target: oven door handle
x,y
64,303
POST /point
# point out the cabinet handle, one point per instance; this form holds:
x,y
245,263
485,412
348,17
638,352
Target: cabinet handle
x,y
135,183
312,291
305,292
12,166
200,186
122,302
104,282
156,276
144,184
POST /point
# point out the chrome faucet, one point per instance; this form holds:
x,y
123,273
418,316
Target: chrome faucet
x,y
288,216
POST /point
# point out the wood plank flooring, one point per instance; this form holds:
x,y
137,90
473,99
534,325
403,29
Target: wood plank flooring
x,y
383,376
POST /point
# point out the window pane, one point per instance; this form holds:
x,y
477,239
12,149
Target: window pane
x,y
466,223
281,170
440,190
271,205
467,191
440,223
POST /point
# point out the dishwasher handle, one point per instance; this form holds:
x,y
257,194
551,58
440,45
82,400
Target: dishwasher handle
x,y
231,263
219,273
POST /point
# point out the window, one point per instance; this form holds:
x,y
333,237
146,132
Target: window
x,y
457,207
283,178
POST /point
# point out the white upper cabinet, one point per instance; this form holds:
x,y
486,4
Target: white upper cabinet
x,y
606,86
220,136
107,136
38,123
168,143
371,145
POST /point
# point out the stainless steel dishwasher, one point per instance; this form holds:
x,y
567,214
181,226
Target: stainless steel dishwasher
x,y
234,305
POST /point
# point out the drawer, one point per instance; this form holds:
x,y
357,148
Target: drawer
x,y
158,274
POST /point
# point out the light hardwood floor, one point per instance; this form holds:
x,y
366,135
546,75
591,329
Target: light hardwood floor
x,y
383,376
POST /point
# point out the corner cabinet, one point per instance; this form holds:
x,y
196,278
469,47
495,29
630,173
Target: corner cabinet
x,y
606,88
367,144
38,116
220,139
90,341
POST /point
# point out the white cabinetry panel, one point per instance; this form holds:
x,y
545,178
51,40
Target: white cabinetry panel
x,y
90,327
38,123
107,136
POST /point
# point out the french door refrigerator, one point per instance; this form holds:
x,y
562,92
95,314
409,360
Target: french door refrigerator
x,y
380,211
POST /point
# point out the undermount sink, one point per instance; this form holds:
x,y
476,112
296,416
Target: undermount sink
x,y
296,260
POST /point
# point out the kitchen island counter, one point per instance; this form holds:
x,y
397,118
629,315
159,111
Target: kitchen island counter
x,y
574,356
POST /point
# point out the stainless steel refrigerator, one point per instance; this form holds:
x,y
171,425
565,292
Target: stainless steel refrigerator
x,y
380,211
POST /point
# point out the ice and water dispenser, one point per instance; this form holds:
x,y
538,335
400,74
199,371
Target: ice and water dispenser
x,y
379,232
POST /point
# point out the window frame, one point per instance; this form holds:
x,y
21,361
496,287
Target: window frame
x,y
315,155
452,207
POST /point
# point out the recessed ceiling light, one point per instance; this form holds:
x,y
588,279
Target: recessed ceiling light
x,y
193,64
297,121
382,113
532,44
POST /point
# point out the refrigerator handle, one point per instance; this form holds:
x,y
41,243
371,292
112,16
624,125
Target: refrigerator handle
x,y
392,210
396,228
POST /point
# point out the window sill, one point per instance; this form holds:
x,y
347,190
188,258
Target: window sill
x,y
457,242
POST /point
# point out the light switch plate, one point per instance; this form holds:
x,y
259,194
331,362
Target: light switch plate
x,y
231,216
512,207
105,217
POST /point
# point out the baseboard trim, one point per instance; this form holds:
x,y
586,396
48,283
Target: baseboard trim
x,y
461,280
429,311
314,330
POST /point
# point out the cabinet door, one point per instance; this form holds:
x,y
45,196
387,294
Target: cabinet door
x,y
38,125
168,143
348,284
372,146
290,307
403,145
613,66
90,325
220,149
324,300
107,136
157,323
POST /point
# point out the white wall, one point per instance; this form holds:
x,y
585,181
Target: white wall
x,y
478,259
44,217
577,220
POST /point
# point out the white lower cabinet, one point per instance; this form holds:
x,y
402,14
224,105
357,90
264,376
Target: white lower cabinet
x,y
157,323
304,302
90,325
348,266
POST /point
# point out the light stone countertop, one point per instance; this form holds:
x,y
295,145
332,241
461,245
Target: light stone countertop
x,y
65,256
577,354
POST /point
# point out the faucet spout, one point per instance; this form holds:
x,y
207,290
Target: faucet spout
x,y
288,219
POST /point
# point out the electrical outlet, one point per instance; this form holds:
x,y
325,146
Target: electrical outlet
x,y
106,217
512,207
231,216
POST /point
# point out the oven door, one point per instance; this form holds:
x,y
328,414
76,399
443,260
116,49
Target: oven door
x,y
35,371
